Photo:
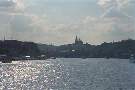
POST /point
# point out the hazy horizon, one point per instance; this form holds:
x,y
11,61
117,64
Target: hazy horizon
x,y
59,21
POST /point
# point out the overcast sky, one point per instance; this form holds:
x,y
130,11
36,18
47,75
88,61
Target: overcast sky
x,y
59,21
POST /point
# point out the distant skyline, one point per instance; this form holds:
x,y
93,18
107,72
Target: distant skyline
x,y
59,21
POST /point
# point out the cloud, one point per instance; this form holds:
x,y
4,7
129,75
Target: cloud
x,y
111,3
13,18
11,5
123,3
105,4
6,3
98,30
113,24
114,8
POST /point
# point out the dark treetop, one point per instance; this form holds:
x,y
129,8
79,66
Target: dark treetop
x,y
121,49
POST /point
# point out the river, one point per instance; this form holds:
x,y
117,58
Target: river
x,y
68,74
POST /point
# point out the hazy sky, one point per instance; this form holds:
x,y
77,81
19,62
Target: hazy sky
x,y
59,21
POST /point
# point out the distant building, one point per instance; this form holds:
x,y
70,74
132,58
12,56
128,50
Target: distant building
x,y
78,41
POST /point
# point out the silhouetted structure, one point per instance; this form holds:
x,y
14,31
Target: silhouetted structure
x,y
78,41
121,49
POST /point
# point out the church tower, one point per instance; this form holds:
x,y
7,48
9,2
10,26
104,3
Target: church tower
x,y
78,41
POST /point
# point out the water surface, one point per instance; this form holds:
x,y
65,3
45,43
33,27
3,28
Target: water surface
x,y
68,74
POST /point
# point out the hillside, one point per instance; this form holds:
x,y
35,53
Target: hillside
x,y
121,49
18,48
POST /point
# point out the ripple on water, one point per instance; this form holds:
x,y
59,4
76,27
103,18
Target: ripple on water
x,y
68,74
37,75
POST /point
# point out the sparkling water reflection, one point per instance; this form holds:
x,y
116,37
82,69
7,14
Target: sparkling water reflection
x,y
68,74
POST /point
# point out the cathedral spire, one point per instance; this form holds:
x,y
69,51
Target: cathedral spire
x,y
76,39
4,38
